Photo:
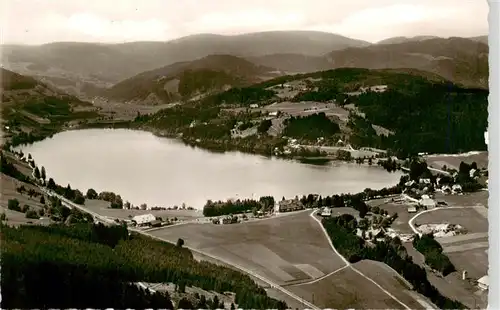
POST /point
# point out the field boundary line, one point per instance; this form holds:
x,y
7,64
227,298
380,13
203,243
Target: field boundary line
x,y
348,264
247,271
241,268
320,278
412,226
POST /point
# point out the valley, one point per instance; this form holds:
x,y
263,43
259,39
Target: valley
x,y
252,169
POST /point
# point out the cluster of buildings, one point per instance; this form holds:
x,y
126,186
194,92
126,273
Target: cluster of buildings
x,y
289,205
144,220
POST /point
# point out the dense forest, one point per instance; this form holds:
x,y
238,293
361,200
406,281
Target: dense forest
x,y
389,251
433,253
310,127
423,115
218,208
88,265
435,118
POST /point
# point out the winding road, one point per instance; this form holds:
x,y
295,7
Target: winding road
x,y
412,226
272,284
349,265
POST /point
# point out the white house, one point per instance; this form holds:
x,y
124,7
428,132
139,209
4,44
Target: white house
x,y
427,202
144,219
457,188
412,209
484,282
326,212
254,106
274,113
472,172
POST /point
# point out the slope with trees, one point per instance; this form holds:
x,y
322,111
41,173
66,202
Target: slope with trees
x,y
88,265
32,111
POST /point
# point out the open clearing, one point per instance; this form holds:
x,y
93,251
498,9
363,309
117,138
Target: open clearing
x,y
102,207
393,282
453,161
401,223
452,286
283,249
472,220
346,289
293,251
309,107
467,252
469,199
8,191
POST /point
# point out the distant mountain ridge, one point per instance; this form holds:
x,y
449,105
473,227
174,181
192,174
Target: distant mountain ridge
x,y
460,60
102,64
396,40
87,68
184,80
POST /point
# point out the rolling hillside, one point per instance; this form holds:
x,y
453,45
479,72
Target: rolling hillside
x,y
397,40
185,80
32,110
105,64
292,63
460,60
421,112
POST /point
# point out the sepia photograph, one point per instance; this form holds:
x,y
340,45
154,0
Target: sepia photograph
x,y
216,154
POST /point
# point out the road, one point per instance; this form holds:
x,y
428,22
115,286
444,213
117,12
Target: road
x,y
431,169
349,265
71,204
412,226
272,284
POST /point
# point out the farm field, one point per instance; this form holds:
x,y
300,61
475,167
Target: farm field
x,y
401,223
469,199
345,290
453,161
309,107
471,219
286,249
102,207
394,283
452,286
8,187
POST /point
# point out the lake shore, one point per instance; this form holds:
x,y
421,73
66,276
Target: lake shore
x,y
233,165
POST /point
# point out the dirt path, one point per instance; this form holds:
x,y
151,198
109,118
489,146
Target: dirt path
x,y
349,265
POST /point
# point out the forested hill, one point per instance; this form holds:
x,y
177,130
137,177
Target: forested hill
x,y
94,266
425,112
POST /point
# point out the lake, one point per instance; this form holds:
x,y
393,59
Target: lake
x,y
164,172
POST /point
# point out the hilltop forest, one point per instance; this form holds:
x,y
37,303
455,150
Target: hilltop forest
x,y
425,113
95,266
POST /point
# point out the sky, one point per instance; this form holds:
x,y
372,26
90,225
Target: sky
x,y
114,21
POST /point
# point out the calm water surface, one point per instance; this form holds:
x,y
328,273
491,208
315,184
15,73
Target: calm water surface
x,y
164,172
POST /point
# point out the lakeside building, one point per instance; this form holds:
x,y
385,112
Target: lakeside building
x,y
144,219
